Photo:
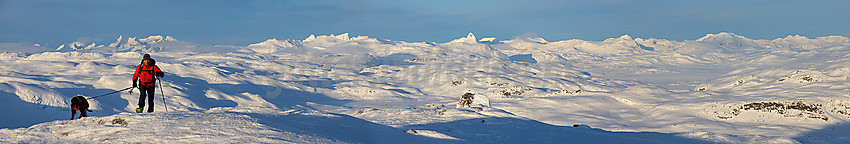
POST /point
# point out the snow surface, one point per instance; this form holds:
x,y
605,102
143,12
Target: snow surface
x,y
722,88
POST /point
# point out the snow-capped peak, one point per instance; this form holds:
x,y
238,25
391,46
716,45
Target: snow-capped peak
x,y
797,41
122,41
528,37
793,39
78,46
268,41
470,38
128,43
310,38
625,40
125,42
157,39
538,40
800,38
721,35
343,37
621,38
705,91
328,38
796,37
725,39
626,37
487,39
272,45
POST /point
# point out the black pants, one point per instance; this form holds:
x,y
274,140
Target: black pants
x,y
146,92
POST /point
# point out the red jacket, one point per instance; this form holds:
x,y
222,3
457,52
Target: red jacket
x,y
145,74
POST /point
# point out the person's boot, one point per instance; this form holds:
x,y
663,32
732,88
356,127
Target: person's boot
x,y
138,110
150,109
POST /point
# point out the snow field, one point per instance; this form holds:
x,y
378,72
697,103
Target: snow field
x,y
721,88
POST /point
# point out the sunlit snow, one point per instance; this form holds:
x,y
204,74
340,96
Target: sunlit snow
x,y
722,88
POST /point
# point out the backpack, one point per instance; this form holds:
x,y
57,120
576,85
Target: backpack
x,y
153,62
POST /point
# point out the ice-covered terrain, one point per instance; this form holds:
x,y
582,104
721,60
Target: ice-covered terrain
x,y
722,88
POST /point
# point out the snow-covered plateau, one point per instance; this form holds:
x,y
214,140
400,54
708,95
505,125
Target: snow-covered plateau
x,y
722,88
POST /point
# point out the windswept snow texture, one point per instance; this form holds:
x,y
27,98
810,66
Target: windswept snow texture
x,y
722,88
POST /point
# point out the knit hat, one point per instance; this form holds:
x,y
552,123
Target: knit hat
x,y
148,57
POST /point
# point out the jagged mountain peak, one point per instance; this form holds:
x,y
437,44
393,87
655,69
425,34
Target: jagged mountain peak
x,y
796,37
132,43
328,38
310,38
157,39
470,38
77,46
274,42
273,45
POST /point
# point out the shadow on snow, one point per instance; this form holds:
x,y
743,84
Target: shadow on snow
x,y
196,91
20,114
515,130
832,134
342,128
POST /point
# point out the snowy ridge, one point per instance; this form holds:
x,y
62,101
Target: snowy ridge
x,y
273,45
728,40
722,88
122,44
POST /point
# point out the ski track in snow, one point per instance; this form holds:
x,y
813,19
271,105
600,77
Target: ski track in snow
x,y
722,88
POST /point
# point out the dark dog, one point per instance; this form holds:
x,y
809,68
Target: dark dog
x,y
79,103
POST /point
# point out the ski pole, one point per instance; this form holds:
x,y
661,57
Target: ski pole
x,y
165,104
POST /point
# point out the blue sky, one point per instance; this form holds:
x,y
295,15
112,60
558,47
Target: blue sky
x,y
218,22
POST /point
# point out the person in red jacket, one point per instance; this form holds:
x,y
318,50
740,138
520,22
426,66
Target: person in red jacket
x,y
145,74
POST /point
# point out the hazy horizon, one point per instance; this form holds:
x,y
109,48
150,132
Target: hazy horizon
x,y
54,22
